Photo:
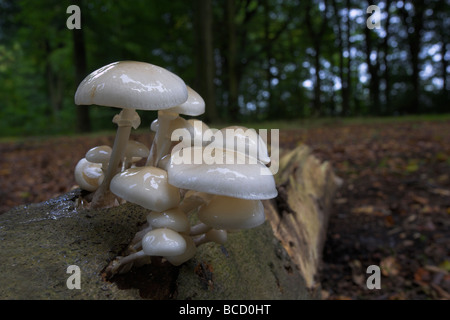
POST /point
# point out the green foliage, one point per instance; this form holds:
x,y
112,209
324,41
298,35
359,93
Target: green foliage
x,y
276,63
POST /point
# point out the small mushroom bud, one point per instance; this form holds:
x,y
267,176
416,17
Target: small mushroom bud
x,y
190,251
163,242
100,154
174,219
147,187
88,175
134,152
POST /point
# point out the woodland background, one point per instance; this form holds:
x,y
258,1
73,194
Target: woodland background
x,y
372,102
250,60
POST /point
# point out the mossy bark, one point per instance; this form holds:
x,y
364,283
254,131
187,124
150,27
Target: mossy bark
x,y
38,242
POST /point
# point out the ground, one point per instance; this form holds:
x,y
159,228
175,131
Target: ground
x,y
392,211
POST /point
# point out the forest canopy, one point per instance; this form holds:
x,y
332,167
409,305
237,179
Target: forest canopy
x,y
249,59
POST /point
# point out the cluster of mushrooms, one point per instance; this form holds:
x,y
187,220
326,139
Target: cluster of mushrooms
x,y
210,178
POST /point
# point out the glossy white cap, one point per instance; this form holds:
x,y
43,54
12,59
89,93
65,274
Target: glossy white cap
x,y
239,179
132,85
231,213
163,242
88,175
190,251
99,154
174,219
193,106
146,186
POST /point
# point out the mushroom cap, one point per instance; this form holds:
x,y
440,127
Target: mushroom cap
x,y
193,106
217,236
88,175
163,242
174,219
198,131
175,123
190,251
242,139
99,154
232,213
240,179
136,149
146,186
132,85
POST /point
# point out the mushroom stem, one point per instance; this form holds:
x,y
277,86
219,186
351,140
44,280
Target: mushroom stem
x,y
124,124
118,266
161,142
199,229
217,236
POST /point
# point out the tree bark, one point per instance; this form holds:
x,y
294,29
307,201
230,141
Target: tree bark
x,y
205,66
342,67
373,68
414,25
232,74
316,39
386,75
79,53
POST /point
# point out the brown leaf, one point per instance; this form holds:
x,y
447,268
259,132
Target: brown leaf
x,y
389,266
422,275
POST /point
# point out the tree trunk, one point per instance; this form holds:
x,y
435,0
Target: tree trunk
x,y
55,85
205,66
386,76
373,68
316,39
79,52
340,45
414,21
445,89
318,83
232,75
349,59
272,110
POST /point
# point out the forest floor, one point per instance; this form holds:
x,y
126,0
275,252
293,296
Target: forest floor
x,y
392,211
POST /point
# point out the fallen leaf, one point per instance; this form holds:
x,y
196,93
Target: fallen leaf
x,y
389,266
389,221
422,275
441,192
420,200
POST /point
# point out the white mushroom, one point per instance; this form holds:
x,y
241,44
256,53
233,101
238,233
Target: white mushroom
x,y
241,139
196,168
134,152
190,251
99,154
147,187
88,175
231,213
193,199
193,106
161,242
129,85
213,235
174,219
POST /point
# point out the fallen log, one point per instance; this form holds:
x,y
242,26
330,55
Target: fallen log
x,y
278,260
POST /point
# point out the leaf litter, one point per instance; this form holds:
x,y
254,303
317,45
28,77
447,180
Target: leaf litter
x,y
393,209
